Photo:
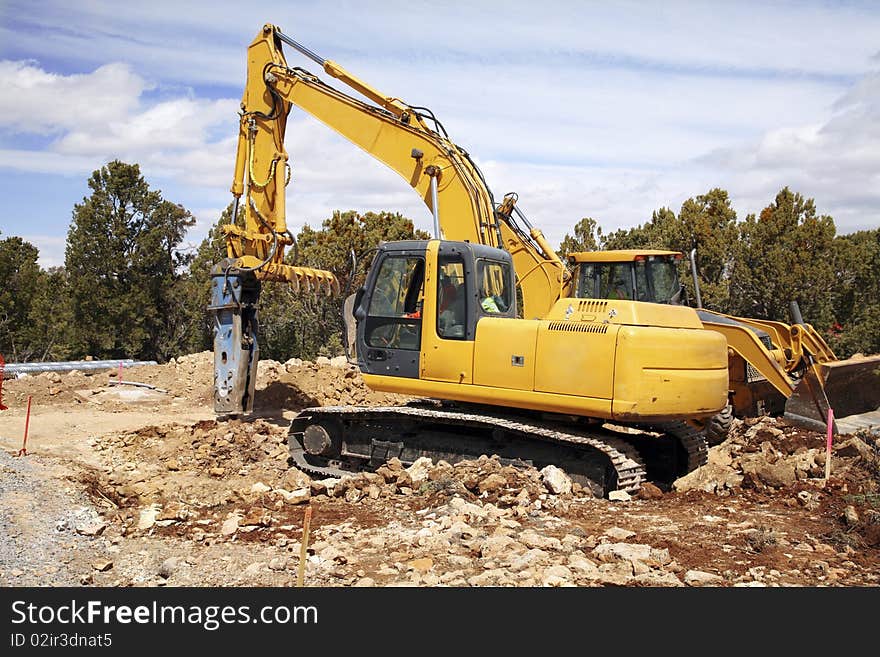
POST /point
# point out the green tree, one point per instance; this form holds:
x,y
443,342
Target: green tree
x,y
124,267
195,286
20,276
307,325
786,253
708,223
49,323
587,235
856,294
655,234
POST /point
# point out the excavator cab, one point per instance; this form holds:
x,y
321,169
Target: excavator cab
x,y
412,289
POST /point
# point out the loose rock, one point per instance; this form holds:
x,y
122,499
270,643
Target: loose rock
x,y
556,481
701,578
147,517
168,567
619,534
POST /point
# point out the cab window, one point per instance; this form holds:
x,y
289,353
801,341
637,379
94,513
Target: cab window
x,y
394,317
606,280
451,299
493,285
642,290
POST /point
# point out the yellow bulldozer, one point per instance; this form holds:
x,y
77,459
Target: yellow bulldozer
x,y
774,367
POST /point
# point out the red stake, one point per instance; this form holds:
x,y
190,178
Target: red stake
x,y
119,376
828,444
27,421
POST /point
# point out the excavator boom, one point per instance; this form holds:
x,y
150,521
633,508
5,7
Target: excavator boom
x,y
410,141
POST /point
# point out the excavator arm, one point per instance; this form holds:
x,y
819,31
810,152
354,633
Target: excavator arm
x,y
407,139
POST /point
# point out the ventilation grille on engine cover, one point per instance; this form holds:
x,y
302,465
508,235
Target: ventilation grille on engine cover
x,y
577,327
590,306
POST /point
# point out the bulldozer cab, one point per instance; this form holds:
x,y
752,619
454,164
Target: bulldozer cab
x,y
777,368
650,276
411,289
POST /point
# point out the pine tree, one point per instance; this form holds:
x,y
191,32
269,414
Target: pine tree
x,y
20,276
123,267
785,254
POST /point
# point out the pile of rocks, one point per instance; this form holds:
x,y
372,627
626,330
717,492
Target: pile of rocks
x,y
157,463
484,479
484,525
765,453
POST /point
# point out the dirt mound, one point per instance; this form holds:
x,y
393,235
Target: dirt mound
x,y
51,388
199,464
292,385
189,377
300,384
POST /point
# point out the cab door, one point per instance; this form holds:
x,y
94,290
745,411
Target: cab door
x,y
389,314
448,338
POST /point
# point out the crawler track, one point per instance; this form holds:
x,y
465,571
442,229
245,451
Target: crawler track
x,y
353,439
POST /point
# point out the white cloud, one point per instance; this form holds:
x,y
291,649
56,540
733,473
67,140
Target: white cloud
x,y
51,248
585,109
44,162
103,115
813,38
836,160
175,124
40,102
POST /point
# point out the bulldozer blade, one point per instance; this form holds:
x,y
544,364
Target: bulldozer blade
x,y
851,387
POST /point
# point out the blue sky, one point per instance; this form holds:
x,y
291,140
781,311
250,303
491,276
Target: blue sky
x,y
602,109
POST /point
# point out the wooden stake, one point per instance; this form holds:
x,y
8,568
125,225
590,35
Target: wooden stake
x,y
27,422
828,440
119,376
2,368
304,550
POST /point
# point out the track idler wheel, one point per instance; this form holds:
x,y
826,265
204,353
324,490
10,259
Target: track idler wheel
x,y
322,438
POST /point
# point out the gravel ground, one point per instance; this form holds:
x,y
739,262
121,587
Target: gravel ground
x,y
44,525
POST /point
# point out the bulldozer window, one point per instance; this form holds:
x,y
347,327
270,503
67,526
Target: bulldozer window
x,y
451,308
642,290
586,286
394,318
616,281
611,280
657,280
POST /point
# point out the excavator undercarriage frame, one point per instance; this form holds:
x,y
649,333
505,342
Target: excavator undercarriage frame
x,y
333,441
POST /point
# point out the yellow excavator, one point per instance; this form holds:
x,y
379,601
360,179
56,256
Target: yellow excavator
x,y
478,322
774,368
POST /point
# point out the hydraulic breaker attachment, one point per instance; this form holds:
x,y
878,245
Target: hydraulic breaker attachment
x,y
851,387
233,306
